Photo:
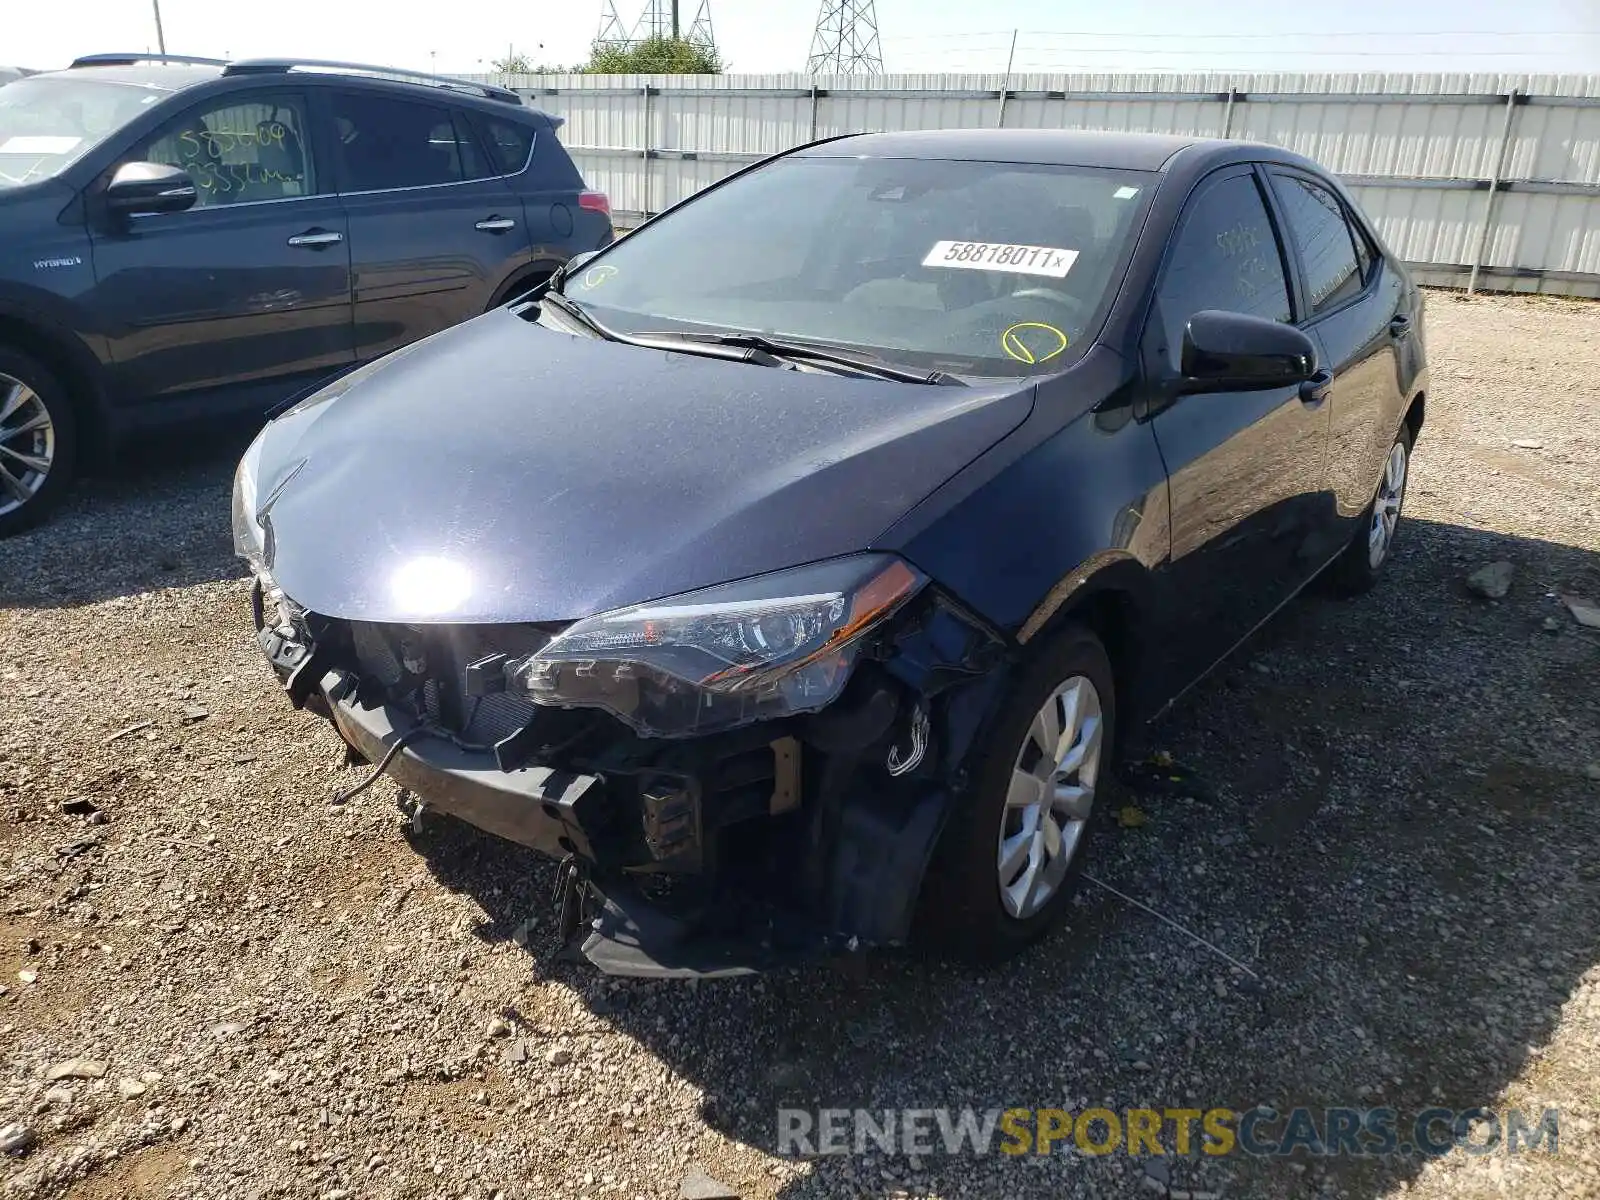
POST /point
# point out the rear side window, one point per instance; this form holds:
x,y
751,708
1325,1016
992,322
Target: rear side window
x,y
1327,246
1225,256
510,145
1363,253
385,144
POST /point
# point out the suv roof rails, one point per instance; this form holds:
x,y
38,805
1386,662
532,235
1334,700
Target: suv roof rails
x,y
282,66
127,60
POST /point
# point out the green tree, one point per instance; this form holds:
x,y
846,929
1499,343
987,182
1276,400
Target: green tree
x,y
521,64
655,56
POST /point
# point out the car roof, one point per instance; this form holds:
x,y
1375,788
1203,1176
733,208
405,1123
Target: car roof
x,y
1054,147
177,76
165,77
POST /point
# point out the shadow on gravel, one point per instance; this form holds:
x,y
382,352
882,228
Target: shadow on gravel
x,y
1400,845
159,518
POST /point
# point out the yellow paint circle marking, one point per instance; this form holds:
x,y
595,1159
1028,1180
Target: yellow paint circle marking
x,y
1052,339
595,276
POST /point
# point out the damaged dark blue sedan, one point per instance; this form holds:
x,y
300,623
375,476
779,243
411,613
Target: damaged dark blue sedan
x,y
796,569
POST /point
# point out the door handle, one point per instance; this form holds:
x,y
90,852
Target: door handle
x,y
1400,326
316,238
1315,390
496,224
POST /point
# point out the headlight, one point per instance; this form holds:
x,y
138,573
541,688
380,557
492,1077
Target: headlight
x,y
247,536
725,656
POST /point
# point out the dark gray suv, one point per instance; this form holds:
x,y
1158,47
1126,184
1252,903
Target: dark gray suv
x,y
185,238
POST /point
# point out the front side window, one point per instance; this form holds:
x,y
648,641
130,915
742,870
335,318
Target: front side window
x,y
387,144
1224,256
967,267
1317,224
47,123
239,150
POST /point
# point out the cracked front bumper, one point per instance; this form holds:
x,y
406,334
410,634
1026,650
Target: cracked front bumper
x,y
534,806
720,855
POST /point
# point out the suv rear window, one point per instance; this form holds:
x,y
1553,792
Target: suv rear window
x,y
509,145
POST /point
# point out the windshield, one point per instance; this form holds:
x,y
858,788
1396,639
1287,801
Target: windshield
x,y
974,268
48,123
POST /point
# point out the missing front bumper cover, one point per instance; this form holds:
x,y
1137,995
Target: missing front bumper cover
x,y
548,809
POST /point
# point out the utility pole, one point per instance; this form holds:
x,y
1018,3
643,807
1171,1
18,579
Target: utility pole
x,y
674,20
1005,88
161,38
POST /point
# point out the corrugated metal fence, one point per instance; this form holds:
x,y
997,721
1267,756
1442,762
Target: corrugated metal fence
x,y
1487,178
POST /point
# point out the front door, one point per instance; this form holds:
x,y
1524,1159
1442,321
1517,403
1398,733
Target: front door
x,y
247,293
432,232
1245,468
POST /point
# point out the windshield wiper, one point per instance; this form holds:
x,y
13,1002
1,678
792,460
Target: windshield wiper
x,y
571,308
857,363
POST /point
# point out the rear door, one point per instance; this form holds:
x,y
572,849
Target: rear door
x,y
1245,468
1355,308
433,229
249,290
562,219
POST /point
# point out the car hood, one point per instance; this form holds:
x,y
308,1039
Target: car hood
x,y
504,472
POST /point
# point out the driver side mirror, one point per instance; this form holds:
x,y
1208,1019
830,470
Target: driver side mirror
x,y
1232,351
143,188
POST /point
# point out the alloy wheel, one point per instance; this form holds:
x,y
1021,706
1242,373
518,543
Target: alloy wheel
x,y
1386,508
27,444
1050,797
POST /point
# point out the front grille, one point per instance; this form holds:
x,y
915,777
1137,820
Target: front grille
x,y
493,718
424,667
375,657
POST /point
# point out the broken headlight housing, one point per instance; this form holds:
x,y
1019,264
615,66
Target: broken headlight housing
x,y
724,656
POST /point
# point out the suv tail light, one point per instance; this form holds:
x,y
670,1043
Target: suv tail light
x,y
594,202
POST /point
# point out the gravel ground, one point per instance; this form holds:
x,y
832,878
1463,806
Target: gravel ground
x,y
261,994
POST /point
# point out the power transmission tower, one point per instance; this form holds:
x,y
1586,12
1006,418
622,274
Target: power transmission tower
x,y
846,40
660,19
613,33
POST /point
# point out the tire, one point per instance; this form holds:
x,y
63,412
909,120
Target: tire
x,y
40,427
1357,569
962,912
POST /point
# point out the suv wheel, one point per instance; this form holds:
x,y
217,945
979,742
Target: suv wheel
x,y
1009,858
38,442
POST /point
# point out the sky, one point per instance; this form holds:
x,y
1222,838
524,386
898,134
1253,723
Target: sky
x,y
464,36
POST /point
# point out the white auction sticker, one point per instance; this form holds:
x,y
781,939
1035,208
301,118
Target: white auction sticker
x,y
39,145
1002,256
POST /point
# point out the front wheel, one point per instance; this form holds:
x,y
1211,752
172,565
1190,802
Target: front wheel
x,y
1008,860
38,442
1357,569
